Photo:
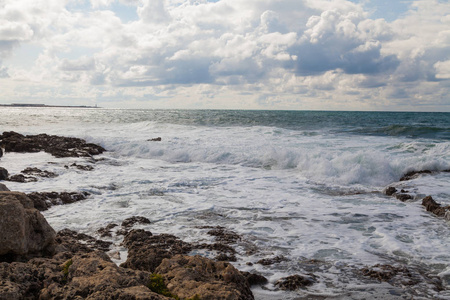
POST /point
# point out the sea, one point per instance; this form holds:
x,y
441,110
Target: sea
x,y
303,186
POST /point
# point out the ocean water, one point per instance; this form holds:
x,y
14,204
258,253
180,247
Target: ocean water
x,y
304,185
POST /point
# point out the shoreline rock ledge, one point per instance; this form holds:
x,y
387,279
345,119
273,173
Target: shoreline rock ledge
x,y
37,263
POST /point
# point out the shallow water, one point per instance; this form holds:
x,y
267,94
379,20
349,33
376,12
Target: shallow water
x,y
304,185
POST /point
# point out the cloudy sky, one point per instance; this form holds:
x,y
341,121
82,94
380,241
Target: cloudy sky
x,y
239,54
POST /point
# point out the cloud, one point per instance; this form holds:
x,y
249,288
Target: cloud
x,y
315,49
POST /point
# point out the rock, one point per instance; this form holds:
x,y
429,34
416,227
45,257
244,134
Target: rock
x,y
196,276
3,188
385,272
158,139
403,197
390,191
271,261
414,174
44,200
23,229
94,276
130,222
81,167
294,282
254,279
106,231
224,235
434,207
55,145
22,178
88,242
3,174
39,172
146,251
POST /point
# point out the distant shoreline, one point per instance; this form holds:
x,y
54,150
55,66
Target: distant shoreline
x,y
45,105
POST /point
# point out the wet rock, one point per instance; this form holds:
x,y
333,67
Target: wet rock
x,y
3,174
146,251
88,243
403,197
414,174
271,261
106,231
224,235
130,222
3,188
435,208
39,172
81,167
22,178
225,257
23,229
55,145
294,282
44,200
196,276
390,191
158,139
254,279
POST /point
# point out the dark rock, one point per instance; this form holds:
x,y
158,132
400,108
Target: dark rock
x,y
3,188
44,200
23,229
225,257
414,174
390,191
385,272
294,282
39,172
55,145
436,208
81,167
403,197
106,231
88,242
3,174
158,139
196,276
254,279
22,178
146,251
224,235
130,222
271,261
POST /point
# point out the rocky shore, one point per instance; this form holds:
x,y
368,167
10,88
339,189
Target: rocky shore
x,y
38,263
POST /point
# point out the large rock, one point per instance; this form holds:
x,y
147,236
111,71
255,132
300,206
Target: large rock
x,y
94,276
3,188
55,145
197,276
23,229
3,174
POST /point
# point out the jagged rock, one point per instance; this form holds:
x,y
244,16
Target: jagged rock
x,y
44,200
3,174
403,197
294,282
39,172
254,279
130,222
81,167
94,276
22,178
190,276
414,174
158,139
435,208
106,231
223,235
390,191
271,261
55,145
23,229
146,251
3,188
89,243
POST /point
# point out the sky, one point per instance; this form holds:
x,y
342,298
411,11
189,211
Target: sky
x,y
391,55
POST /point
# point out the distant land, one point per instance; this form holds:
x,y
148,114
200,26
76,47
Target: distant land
x,y
45,105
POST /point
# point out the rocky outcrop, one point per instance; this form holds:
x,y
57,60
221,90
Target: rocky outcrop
x,y
55,145
196,276
414,174
294,282
23,229
436,208
3,174
44,200
3,188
